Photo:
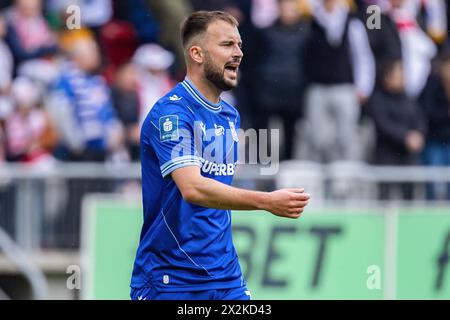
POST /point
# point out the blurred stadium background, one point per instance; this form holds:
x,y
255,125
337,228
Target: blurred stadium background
x,y
363,107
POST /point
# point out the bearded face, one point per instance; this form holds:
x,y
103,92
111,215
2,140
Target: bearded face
x,y
222,55
224,76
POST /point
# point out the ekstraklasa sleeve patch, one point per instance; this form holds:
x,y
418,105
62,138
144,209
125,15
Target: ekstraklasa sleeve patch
x,y
168,128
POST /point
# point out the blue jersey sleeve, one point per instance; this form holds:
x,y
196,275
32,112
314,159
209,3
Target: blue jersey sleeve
x,y
171,135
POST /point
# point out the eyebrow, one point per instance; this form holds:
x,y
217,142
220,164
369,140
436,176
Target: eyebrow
x,y
231,41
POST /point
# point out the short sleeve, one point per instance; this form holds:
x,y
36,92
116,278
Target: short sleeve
x,y
171,135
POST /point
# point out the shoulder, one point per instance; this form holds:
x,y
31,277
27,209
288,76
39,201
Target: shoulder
x,y
164,106
165,110
174,101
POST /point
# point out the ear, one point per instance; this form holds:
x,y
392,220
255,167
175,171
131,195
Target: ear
x,y
196,54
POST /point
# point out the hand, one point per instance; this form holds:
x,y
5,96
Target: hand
x,y
414,141
134,133
362,98
288,203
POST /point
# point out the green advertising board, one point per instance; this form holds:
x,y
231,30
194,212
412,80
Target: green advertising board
x,y
337,253
423,269
320,256
110,235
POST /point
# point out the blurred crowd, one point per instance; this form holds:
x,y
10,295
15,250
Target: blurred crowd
x,y
342,79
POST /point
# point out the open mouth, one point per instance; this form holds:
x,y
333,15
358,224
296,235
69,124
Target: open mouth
x,y
233,69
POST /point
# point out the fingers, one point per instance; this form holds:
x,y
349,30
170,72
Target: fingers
x,y
298,194
301,196
298,204
296,190
293,215
295,210
290,202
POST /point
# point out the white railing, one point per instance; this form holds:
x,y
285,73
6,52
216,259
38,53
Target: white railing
x,y
36,193
347,170
38,196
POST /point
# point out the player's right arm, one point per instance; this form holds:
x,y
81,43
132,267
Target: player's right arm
x,y
210,193
170,129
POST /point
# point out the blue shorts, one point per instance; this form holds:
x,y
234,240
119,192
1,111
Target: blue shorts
x,y
148,293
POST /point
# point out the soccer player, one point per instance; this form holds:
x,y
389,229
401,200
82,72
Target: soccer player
x,y
189,153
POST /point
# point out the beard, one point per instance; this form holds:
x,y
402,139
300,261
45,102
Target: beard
x,y
216,75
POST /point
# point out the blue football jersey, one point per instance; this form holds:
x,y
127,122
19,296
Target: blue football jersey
x,y
183,246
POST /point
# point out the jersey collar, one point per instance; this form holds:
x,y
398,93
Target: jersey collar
x,y
192,90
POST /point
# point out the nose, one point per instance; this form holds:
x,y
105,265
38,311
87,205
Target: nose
x,y
238,52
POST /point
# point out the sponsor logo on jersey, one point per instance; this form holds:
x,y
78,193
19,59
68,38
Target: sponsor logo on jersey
x,y
218,169
168,128
174,98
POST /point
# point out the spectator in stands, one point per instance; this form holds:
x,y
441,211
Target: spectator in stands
x,y
169,15
385,43
418,49
119,41
126,103
264,12
6,67
280,72
340,68
141,16
436,103
93,13
448,15
399,122
431,15
3,114
30,134
2,143
82,108
153,63
385,40
29,35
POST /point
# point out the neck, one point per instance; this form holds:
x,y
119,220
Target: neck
x,y
206,88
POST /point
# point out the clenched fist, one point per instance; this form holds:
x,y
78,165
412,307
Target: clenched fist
x,y
288,203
